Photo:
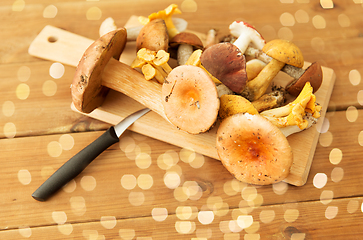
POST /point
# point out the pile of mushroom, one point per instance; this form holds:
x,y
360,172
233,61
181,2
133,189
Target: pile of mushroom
x,y
231,83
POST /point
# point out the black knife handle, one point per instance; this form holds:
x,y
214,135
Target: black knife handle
x,y
75,165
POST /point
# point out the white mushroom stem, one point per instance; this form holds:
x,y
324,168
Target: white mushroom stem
x,y
223,90
246,34
292,71
109,25
211,38
287,131
184,52
133,32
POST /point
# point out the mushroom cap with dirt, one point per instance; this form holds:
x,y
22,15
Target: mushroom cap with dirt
x,y
190,99
226,62
87,90
253,149
153,36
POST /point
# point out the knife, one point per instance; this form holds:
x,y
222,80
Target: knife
x,y
80,161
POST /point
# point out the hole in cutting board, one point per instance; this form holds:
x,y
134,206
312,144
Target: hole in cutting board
x,y
52,39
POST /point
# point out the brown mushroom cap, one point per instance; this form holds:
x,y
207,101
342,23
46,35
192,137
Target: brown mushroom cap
x,y
284,51
226,62
253,149
186,38
190,99
153,36
312,74
87,91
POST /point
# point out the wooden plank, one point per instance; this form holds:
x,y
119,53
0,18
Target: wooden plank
x,y
285,221
99,187
43,106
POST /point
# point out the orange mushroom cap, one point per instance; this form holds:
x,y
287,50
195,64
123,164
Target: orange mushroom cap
x,y
190,99
253,149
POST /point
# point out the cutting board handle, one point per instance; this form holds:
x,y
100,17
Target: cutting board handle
x,y
58,45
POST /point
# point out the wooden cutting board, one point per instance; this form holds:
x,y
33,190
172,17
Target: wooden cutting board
x,y
55,44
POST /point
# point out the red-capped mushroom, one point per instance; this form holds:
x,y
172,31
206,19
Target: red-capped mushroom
x,y
246,34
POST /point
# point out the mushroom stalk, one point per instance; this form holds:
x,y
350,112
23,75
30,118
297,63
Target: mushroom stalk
x,y
292,71
233,104
269,101
295,112
184,52
246,34
257,87
211,38
185,43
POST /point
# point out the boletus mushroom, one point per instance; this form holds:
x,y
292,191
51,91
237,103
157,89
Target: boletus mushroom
x,y
227,63
312,74
253,149
153,36
282,52
87,90
190,99
185,43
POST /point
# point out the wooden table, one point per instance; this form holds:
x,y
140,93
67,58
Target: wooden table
x,y
143,188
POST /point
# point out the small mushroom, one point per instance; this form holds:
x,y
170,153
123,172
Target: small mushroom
x,y
211,38
185,43
271,100
312,74
253,149
282,52
246,34
190,99
226,62
153,36
166,15
294,112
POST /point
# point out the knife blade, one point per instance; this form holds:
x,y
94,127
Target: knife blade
x,y
82,159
